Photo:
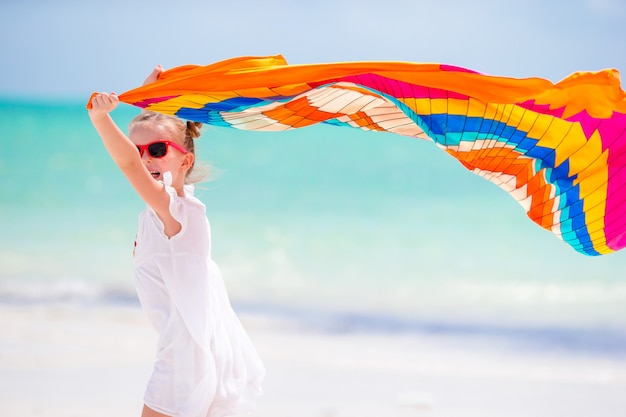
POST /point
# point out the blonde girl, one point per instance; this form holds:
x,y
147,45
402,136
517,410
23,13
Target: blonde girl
x,y
205,364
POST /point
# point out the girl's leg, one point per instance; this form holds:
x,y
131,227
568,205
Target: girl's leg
x,y
148,412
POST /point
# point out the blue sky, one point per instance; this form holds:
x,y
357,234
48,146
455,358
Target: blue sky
x,y
69,48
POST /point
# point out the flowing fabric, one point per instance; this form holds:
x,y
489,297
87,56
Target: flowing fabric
x,y
558,149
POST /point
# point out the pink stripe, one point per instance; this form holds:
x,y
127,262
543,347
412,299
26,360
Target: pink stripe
x,y
542,108
453,68
145,103
613,133
588,123
398,89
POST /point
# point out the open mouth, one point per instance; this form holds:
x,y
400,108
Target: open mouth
x,y
155,174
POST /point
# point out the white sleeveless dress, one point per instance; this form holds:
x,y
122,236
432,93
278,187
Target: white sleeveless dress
x,y
206,365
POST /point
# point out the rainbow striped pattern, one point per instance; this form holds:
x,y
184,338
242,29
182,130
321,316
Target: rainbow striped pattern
x,y
558,149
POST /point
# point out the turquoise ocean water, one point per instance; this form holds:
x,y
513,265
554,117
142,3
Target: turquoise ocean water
x,y
367,228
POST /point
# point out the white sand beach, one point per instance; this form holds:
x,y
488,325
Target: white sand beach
x,y
69,361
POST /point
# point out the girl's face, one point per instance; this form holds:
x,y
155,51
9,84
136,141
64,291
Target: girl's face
x,y
175,160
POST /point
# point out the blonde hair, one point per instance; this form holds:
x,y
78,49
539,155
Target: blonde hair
x,y
182,131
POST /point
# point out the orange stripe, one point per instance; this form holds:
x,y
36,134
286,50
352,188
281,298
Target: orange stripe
x,y
364,120
522,169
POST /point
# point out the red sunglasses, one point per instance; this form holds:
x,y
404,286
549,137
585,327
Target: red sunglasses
x,y
159,148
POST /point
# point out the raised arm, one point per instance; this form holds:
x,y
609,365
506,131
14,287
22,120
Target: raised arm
x,y
125,155
120,147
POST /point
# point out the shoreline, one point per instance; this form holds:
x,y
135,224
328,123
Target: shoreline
x,y
586,339
64,360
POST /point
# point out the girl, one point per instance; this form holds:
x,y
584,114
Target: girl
x,y
206,366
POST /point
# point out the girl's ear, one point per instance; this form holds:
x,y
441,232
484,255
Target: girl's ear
x,y
187,162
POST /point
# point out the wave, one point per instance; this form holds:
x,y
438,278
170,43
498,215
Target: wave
x,y
596,339
65,291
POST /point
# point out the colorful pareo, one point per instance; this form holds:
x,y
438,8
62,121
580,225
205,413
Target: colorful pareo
x,y
558,149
